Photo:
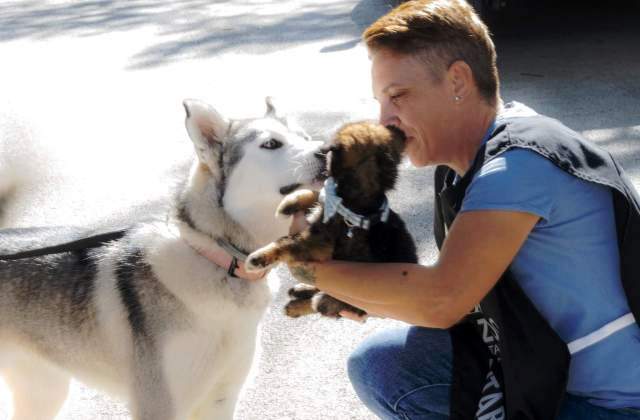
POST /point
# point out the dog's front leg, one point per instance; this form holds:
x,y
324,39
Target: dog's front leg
x,y
151,407
300,200
307,300
305,246
300,303
151,398
217,407
331,307
154,404
231,368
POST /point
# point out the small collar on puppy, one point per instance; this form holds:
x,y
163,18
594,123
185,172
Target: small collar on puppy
x,y
333,205
225,255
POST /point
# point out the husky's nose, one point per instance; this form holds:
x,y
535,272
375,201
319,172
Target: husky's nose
x,y
321,155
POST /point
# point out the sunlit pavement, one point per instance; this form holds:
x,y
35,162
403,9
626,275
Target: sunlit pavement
x,y
100,84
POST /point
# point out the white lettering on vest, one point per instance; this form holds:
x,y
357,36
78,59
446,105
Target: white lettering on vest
x,y
491,381
490,406
489,330
489,402
497,414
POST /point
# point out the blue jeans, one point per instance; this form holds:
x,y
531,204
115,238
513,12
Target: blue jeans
x,y
405,374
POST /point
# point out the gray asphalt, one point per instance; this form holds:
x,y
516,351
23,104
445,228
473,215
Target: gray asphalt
x,y
100,84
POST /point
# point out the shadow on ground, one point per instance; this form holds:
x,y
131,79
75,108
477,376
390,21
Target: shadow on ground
x,y
575,61
196,28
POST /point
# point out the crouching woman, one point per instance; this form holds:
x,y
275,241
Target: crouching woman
x,y
528,312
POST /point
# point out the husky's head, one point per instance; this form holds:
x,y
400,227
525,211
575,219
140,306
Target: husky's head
x,y
246,167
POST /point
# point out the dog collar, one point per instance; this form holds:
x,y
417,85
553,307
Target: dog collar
x,y
223,254
333,205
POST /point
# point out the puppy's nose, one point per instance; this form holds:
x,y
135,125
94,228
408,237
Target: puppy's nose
x,y
395,131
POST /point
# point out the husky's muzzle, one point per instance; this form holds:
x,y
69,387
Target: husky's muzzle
x,y
320,177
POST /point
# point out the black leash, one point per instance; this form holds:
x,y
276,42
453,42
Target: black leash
x,y
93,241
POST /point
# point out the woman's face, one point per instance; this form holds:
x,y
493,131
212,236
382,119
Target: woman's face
x,y
411,100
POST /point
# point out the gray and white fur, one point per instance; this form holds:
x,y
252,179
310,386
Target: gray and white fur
x,y
146,318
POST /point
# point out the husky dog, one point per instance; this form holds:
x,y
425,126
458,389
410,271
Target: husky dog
x,y
352,221
157,317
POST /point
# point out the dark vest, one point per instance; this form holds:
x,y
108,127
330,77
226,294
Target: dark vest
x,y
508,362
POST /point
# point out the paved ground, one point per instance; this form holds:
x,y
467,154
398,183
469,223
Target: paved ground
x,y
101,84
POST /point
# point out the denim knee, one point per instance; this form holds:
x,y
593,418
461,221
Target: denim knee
x,y
404,373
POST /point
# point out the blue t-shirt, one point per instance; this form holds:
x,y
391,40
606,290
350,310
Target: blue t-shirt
x,y
569,267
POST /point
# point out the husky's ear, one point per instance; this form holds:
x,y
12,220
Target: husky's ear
x,y
271,108
293,125
288,122
206,127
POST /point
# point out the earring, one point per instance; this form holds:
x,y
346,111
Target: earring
x,y
457,98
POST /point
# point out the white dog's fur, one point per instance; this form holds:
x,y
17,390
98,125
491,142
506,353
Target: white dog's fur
x,y
146,318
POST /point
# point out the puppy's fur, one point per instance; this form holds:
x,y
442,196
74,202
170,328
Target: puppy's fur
x,y
147,318
363,160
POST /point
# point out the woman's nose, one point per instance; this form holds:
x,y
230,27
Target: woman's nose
x,y
387,117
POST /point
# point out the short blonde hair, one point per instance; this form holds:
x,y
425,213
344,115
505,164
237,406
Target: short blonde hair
x,y
440,32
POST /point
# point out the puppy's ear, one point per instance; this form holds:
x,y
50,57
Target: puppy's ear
x,y
207,129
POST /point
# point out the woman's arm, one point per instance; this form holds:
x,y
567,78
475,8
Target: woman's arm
x,y
478,249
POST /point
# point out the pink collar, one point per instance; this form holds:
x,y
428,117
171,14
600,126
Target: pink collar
x,y
234,264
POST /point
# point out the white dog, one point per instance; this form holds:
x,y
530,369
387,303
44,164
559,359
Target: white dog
x,y
161,314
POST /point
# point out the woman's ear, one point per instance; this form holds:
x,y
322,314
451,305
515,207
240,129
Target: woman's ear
x,y
460,79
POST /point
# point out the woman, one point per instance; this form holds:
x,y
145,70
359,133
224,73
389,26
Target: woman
x,y
527,206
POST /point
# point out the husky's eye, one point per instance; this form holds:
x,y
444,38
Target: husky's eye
x,y
271,144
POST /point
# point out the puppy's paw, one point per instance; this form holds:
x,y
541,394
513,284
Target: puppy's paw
x,y
255,263
302,291
261,259
287,208
295,202
331,307
298,307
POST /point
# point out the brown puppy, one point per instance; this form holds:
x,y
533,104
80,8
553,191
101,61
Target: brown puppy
x,y
351,221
